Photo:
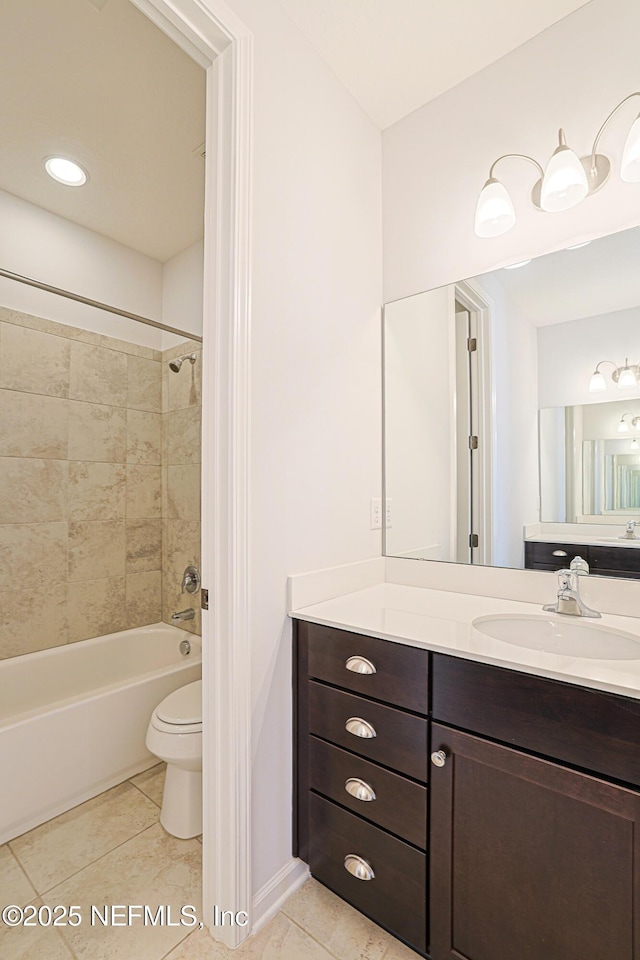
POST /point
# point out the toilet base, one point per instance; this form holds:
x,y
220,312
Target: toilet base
x,y
181,813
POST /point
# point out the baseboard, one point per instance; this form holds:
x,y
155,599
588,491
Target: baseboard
x,y
276,891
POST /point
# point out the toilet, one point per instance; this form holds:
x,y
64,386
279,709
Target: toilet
x,y
174,735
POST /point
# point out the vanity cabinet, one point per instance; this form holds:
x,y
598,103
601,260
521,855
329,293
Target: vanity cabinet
x,y
512,800
606,560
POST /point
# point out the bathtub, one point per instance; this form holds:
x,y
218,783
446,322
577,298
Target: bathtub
x,y
73,718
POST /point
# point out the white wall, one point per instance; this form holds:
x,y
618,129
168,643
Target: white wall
x,y
182,277
48,248
436,160
316,384
569,352
419,428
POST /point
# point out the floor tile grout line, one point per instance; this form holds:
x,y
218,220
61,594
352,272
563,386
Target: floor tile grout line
x,y
171,949
311,936
21,868
158,805
97,859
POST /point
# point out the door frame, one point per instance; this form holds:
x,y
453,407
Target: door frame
x,y
478,303
211,33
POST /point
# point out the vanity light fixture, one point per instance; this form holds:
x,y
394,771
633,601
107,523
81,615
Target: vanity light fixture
x,y
565,182
626,377
66,171
623,426
634,445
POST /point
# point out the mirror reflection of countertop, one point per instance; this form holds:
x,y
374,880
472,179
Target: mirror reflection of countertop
x,y
442,622
591,540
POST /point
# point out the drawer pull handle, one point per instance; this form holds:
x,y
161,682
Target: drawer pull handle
x,y
360,728
358,867
360,665
560,553
438,758
359,789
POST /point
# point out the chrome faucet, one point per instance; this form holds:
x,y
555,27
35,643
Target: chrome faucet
x,y
630,532
569,601
183,615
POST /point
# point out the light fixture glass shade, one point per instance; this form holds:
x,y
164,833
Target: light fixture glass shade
x,y
494,212
623,426
626,378
565,182
597,383
630,163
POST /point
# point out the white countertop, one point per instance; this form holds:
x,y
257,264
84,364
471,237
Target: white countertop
x,y
585,538
441,621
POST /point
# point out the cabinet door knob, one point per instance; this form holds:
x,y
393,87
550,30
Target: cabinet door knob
x,y
358,867
438,758
360,665
359,789
560,553
360,728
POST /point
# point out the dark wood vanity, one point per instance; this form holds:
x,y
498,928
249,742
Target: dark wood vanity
x,y
475,812
606,560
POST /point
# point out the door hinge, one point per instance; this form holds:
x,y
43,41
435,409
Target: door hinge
x,y
473,539
204,598
473,443
472,344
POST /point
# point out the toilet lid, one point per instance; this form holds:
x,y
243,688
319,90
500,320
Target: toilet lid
x,y
183,705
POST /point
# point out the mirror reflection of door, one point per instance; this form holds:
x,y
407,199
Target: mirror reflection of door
x,y
468,502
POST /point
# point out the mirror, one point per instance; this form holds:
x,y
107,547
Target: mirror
x,y
512,414
97,82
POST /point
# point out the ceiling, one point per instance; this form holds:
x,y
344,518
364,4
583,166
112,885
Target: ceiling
x,y
96,81
396,55
600,278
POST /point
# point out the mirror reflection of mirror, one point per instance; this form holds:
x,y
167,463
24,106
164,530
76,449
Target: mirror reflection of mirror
x,y
512,414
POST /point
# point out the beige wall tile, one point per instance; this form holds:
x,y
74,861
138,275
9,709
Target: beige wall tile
x,y
144,598
187,346
183,436
143,437
98,375
183,492
33,426
144,384
33,362
32,490
184,389
75,333
32,553
96,549
97,432
144,545
181,548
32,619
144,492
97,491
96,608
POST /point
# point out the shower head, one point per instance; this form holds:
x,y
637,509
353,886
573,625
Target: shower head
x,y
177,363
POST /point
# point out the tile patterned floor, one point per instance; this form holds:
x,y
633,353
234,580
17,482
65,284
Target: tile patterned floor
x,y
112,850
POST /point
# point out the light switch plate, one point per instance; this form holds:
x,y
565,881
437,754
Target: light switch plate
x,y
376,513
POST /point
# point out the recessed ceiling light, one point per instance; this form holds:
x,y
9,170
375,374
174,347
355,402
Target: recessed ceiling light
x,y
576,246
66,171
520,263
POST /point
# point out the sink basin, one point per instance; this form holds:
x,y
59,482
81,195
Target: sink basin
x,y
561,636
620,541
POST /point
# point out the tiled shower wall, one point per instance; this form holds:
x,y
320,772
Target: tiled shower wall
x,y
81,500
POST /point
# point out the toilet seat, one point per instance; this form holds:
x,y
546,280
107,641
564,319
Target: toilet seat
x,y
181,711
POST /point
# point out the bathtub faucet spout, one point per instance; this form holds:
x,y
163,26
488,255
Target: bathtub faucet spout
x,y
183,615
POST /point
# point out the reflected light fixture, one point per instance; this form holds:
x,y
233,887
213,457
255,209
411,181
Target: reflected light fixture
x,y
564,183
623,426
66,171
626,377
634,445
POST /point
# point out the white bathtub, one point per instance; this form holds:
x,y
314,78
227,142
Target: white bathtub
x,y
73,719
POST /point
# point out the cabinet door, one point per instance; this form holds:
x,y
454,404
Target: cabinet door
x,y
529,860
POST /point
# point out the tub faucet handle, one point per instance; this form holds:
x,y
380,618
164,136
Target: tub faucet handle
x,y
190,580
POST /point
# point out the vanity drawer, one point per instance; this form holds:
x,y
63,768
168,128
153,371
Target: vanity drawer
x,y
399,805
396,896
400,740
553,556
591,729
620,561
401,672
